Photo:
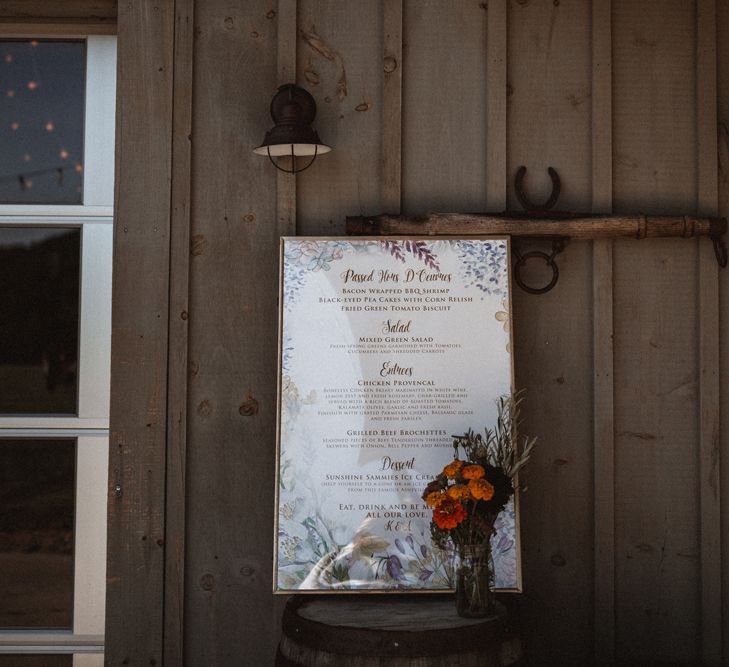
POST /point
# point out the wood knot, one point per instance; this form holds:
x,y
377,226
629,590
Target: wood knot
x,y
558,560
205,409
198,243
389,64
228,23
249,407
312,77
363,106
207,582
271,14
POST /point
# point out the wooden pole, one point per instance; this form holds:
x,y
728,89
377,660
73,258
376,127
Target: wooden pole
x,y
578,227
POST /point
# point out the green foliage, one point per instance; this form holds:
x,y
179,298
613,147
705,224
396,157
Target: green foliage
x,y
499,447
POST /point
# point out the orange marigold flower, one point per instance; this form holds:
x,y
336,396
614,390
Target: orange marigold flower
x,y
448,513
473,471
459,491
433,498
451,470
481,489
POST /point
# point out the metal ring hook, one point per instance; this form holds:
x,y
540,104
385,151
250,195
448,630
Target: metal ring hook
x,y
522,260
558,245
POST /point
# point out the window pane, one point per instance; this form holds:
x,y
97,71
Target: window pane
x,y
37,497
39,312
42,87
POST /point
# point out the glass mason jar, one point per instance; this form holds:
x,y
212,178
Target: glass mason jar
x,y
474,578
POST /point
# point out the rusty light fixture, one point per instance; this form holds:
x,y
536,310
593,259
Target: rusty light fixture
x,y
293,111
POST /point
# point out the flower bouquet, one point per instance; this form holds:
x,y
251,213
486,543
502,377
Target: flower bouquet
x,y
468,495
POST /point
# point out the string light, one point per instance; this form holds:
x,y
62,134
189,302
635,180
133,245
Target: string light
x,y
25,180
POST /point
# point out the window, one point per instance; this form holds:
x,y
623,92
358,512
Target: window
x,y
57,105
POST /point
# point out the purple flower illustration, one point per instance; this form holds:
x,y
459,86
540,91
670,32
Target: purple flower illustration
x,y
394,568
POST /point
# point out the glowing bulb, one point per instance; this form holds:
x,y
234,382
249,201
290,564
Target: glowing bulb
x,y
63,154
78,168
10,93
34,42
27,157
28,184
50,126
8,58
14,126
32,85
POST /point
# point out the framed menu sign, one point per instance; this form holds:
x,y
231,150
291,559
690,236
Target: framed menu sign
x,y
387,348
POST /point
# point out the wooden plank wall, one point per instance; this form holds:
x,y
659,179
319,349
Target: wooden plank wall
x,y
657,538
432,105
230,616
722,42
618,560
548,124
138,417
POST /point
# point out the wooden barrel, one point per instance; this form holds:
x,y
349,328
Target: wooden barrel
x,y
398,630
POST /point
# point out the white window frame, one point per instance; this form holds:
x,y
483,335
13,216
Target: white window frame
x,y
90,426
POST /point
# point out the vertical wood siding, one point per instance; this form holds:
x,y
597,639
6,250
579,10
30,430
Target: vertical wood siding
x,y
603,339
444,96
548,124
339,59
138,417
432,106
722,42
657,555
230,615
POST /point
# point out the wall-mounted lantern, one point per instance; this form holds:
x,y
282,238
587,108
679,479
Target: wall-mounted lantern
x,y
293,111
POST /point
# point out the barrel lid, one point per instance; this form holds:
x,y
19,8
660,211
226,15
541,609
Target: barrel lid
x,y
388,625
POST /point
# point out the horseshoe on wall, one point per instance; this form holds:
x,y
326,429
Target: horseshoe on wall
x,y
524,199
